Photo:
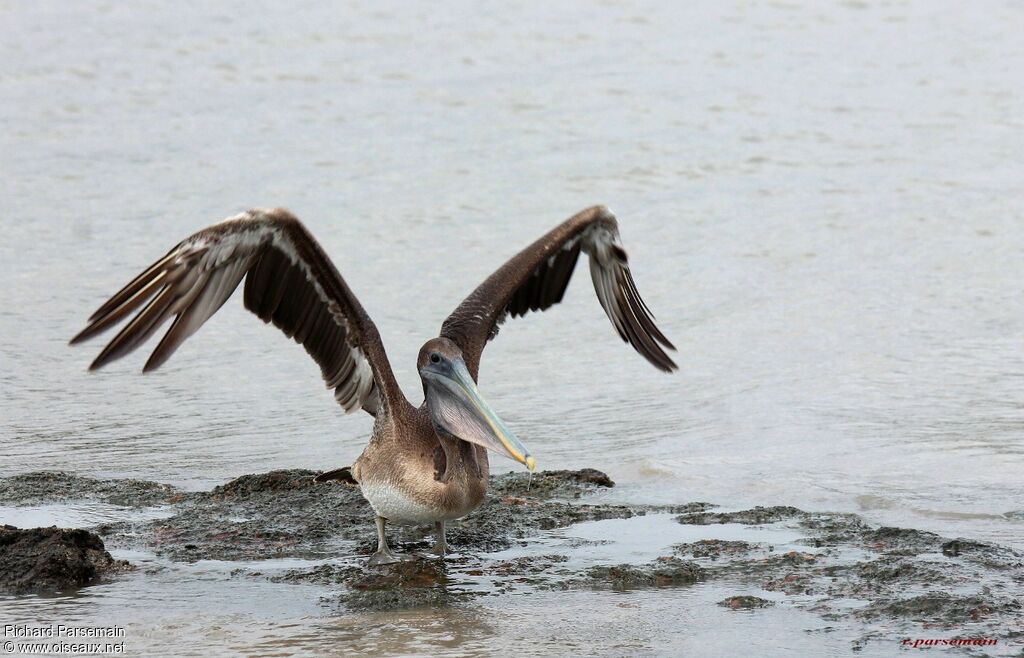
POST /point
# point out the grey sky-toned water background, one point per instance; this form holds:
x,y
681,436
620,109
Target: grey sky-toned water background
x,y
822,204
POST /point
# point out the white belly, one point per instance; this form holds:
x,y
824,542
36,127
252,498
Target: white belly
x,y
396,507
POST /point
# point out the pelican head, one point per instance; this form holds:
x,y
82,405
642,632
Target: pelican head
x,y
455,405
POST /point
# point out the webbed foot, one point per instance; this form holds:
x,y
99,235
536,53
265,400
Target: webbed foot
x,y
383,557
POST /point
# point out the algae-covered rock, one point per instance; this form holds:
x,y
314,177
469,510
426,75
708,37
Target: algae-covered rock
x,y
714,549
59,486
941,608
745,602
900,540
834,565
660,573
261,483
407,584
550,484
52,559
754,516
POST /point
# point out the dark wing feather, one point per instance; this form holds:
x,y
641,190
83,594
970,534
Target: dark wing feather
x,y
289,281
536,278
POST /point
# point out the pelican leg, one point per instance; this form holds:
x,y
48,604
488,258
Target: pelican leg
x,y
383,554
441,545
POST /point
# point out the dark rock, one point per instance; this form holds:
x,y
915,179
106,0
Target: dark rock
x,y
886,569
791,583
901,540
989,555
662,572
324,574
955,547
259,483
796,559
714,549
411,583
58,486
688,508
526,566
941,608
52,559
755,516
583,476
833,529
549,484
395,598
745,602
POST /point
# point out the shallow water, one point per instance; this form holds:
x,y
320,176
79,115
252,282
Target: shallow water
x,y
822,206
308,619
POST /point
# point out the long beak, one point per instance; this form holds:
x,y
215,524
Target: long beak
x,y
456,407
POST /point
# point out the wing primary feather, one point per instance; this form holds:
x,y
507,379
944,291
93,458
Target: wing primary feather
x,y
643,313
184,325
606,297
633,329
289,281
636,293
135,284
641,339
114,314
208,293
538,276
138,330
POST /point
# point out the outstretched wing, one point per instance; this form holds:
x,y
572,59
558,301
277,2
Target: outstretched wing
x,y
289,281
536,278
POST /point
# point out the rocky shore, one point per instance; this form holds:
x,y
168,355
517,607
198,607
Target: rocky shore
x,y
885,580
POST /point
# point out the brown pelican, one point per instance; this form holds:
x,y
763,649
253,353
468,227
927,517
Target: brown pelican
x,y
422,465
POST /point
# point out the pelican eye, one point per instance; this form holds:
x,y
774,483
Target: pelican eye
x,y
434,358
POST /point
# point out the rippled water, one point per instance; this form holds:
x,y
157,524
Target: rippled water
x,y
822,206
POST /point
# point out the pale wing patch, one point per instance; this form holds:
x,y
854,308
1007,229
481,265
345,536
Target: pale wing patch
x,y
195,279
